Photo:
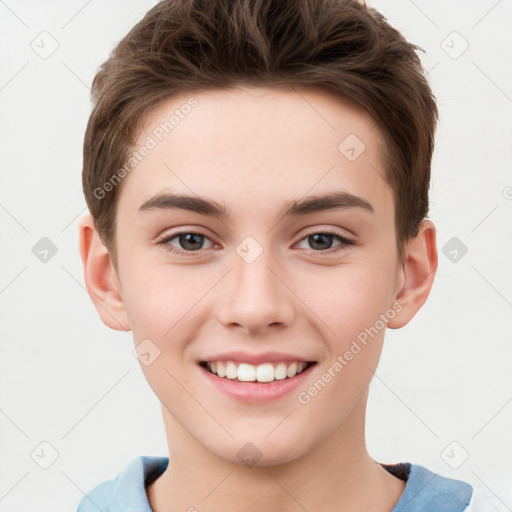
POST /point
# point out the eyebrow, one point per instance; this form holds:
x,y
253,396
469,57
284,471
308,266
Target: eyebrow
x,y
296,207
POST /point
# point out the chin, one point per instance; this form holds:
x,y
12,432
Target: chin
x,y
262,453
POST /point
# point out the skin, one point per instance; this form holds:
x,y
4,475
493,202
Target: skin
x,y
253,149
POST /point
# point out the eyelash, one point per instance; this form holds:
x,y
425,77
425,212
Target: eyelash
x,y
344,242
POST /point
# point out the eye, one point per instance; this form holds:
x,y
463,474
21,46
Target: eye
x,y
188,241
321,241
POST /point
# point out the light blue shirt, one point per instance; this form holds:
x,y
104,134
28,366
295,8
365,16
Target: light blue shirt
x,y
424,491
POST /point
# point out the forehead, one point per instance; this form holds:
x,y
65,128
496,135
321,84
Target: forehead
x,y
263,143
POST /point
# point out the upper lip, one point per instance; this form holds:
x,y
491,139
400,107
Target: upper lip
x,y
246,357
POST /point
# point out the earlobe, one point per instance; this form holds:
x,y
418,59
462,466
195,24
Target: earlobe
x,y
419,271
100,277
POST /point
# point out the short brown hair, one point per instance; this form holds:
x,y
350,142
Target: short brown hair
x,y
342,46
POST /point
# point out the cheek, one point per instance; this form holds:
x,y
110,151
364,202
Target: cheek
x,y
346,300
350,309
160,306
159,299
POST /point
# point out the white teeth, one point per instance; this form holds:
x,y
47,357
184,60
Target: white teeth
x,y
265,372
221,369
280,371
231,370
246,372
292,370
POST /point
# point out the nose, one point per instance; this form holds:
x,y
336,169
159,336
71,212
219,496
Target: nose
x,y
256,296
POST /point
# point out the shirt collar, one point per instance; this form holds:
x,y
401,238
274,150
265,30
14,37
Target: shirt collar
x,y
424,490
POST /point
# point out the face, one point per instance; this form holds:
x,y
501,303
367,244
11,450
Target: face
x,y
263,276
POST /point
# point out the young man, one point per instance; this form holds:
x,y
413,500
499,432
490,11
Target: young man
x,y
257,174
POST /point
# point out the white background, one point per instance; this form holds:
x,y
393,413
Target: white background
x,y
68,380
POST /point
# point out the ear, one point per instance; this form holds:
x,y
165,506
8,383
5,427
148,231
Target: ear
x,y
418,274
101,278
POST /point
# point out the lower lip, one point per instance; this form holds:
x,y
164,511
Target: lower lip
x,y
256,392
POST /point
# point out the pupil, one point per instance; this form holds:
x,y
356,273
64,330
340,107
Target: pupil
x,y
190,238
318,238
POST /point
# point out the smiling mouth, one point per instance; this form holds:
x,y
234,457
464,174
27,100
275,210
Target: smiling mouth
x,y
265,372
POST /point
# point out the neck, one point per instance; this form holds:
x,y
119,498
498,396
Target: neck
x,y
337,475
